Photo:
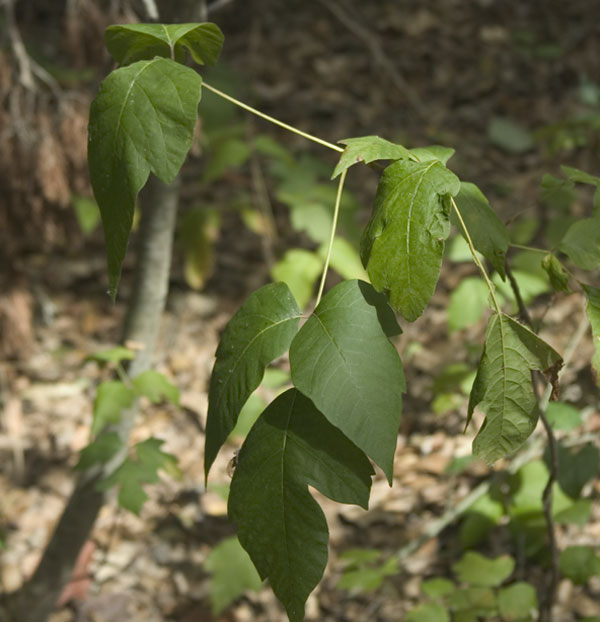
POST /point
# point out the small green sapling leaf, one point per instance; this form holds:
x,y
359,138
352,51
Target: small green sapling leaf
x,y
503,386
486,230
112,398
475,569
100,450
155,387
343,361
128,43
403,243
112,355
581,243
258,333
141,121
368,149
579,563
282,527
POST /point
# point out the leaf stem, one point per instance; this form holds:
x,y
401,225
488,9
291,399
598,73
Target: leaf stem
x,y
529,248
476,259
258,113
336,211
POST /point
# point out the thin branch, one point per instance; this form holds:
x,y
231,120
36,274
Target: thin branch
x,y
377,52
523,311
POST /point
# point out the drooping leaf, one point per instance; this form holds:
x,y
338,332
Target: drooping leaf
x,y
133,474
258,333
279,523
112,398
403,243
142,121
299,269
128,43
232,574
487,231
368,149
579,563
100,450
433,152
475,569
582,243
517,602
593,312
559,278
468,302
503,386
343,361
155,387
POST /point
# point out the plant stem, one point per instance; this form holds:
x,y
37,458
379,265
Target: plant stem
x,y
476,259
529,248
336,211
262,115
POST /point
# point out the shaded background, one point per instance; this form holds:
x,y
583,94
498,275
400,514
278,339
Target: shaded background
x,y
513,86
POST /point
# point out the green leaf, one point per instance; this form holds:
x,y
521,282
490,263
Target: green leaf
x,y
142,121
299,269
437,587
580,177
471,603
132,474
99,451
503,386
562,416
233,573
345,259
87,213
128,43
578,513
368,149
403,243
559,279
579,563
510,136
343,361
581,243
593,312
475,569
433,152
468,303
113,355
225,155
155,387
486,230
557,193
279,523
517,601
577,467
429,612
112,398
258,333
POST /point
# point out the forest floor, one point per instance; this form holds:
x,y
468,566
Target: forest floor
x,y
429,73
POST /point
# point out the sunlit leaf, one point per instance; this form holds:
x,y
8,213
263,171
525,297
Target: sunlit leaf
x,y
433,152
112,398
155,387
343,361
403,243
299,269
112,355
100,450
503,386
142,121
258,333
468,303
368,149
279,523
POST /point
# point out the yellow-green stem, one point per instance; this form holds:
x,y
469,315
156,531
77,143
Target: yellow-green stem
x,y
336,211
476,259
258,113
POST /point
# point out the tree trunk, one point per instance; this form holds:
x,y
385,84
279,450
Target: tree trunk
x,y
36,600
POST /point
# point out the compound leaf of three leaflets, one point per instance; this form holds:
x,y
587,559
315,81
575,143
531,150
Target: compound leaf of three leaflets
x,y
282,527
503,386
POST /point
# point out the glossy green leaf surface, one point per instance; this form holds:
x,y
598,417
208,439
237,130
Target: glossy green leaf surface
x,y
133,474
282,527
232,574
155,387
593,312
503,387
403,243
368,149
582,243
128,43
258,333
142,121
343,361
112,398
487,231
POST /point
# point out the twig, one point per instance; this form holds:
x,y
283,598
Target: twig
x,y
377,53
523,311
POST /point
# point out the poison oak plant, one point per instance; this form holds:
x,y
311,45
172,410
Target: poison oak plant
x,y
345,405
